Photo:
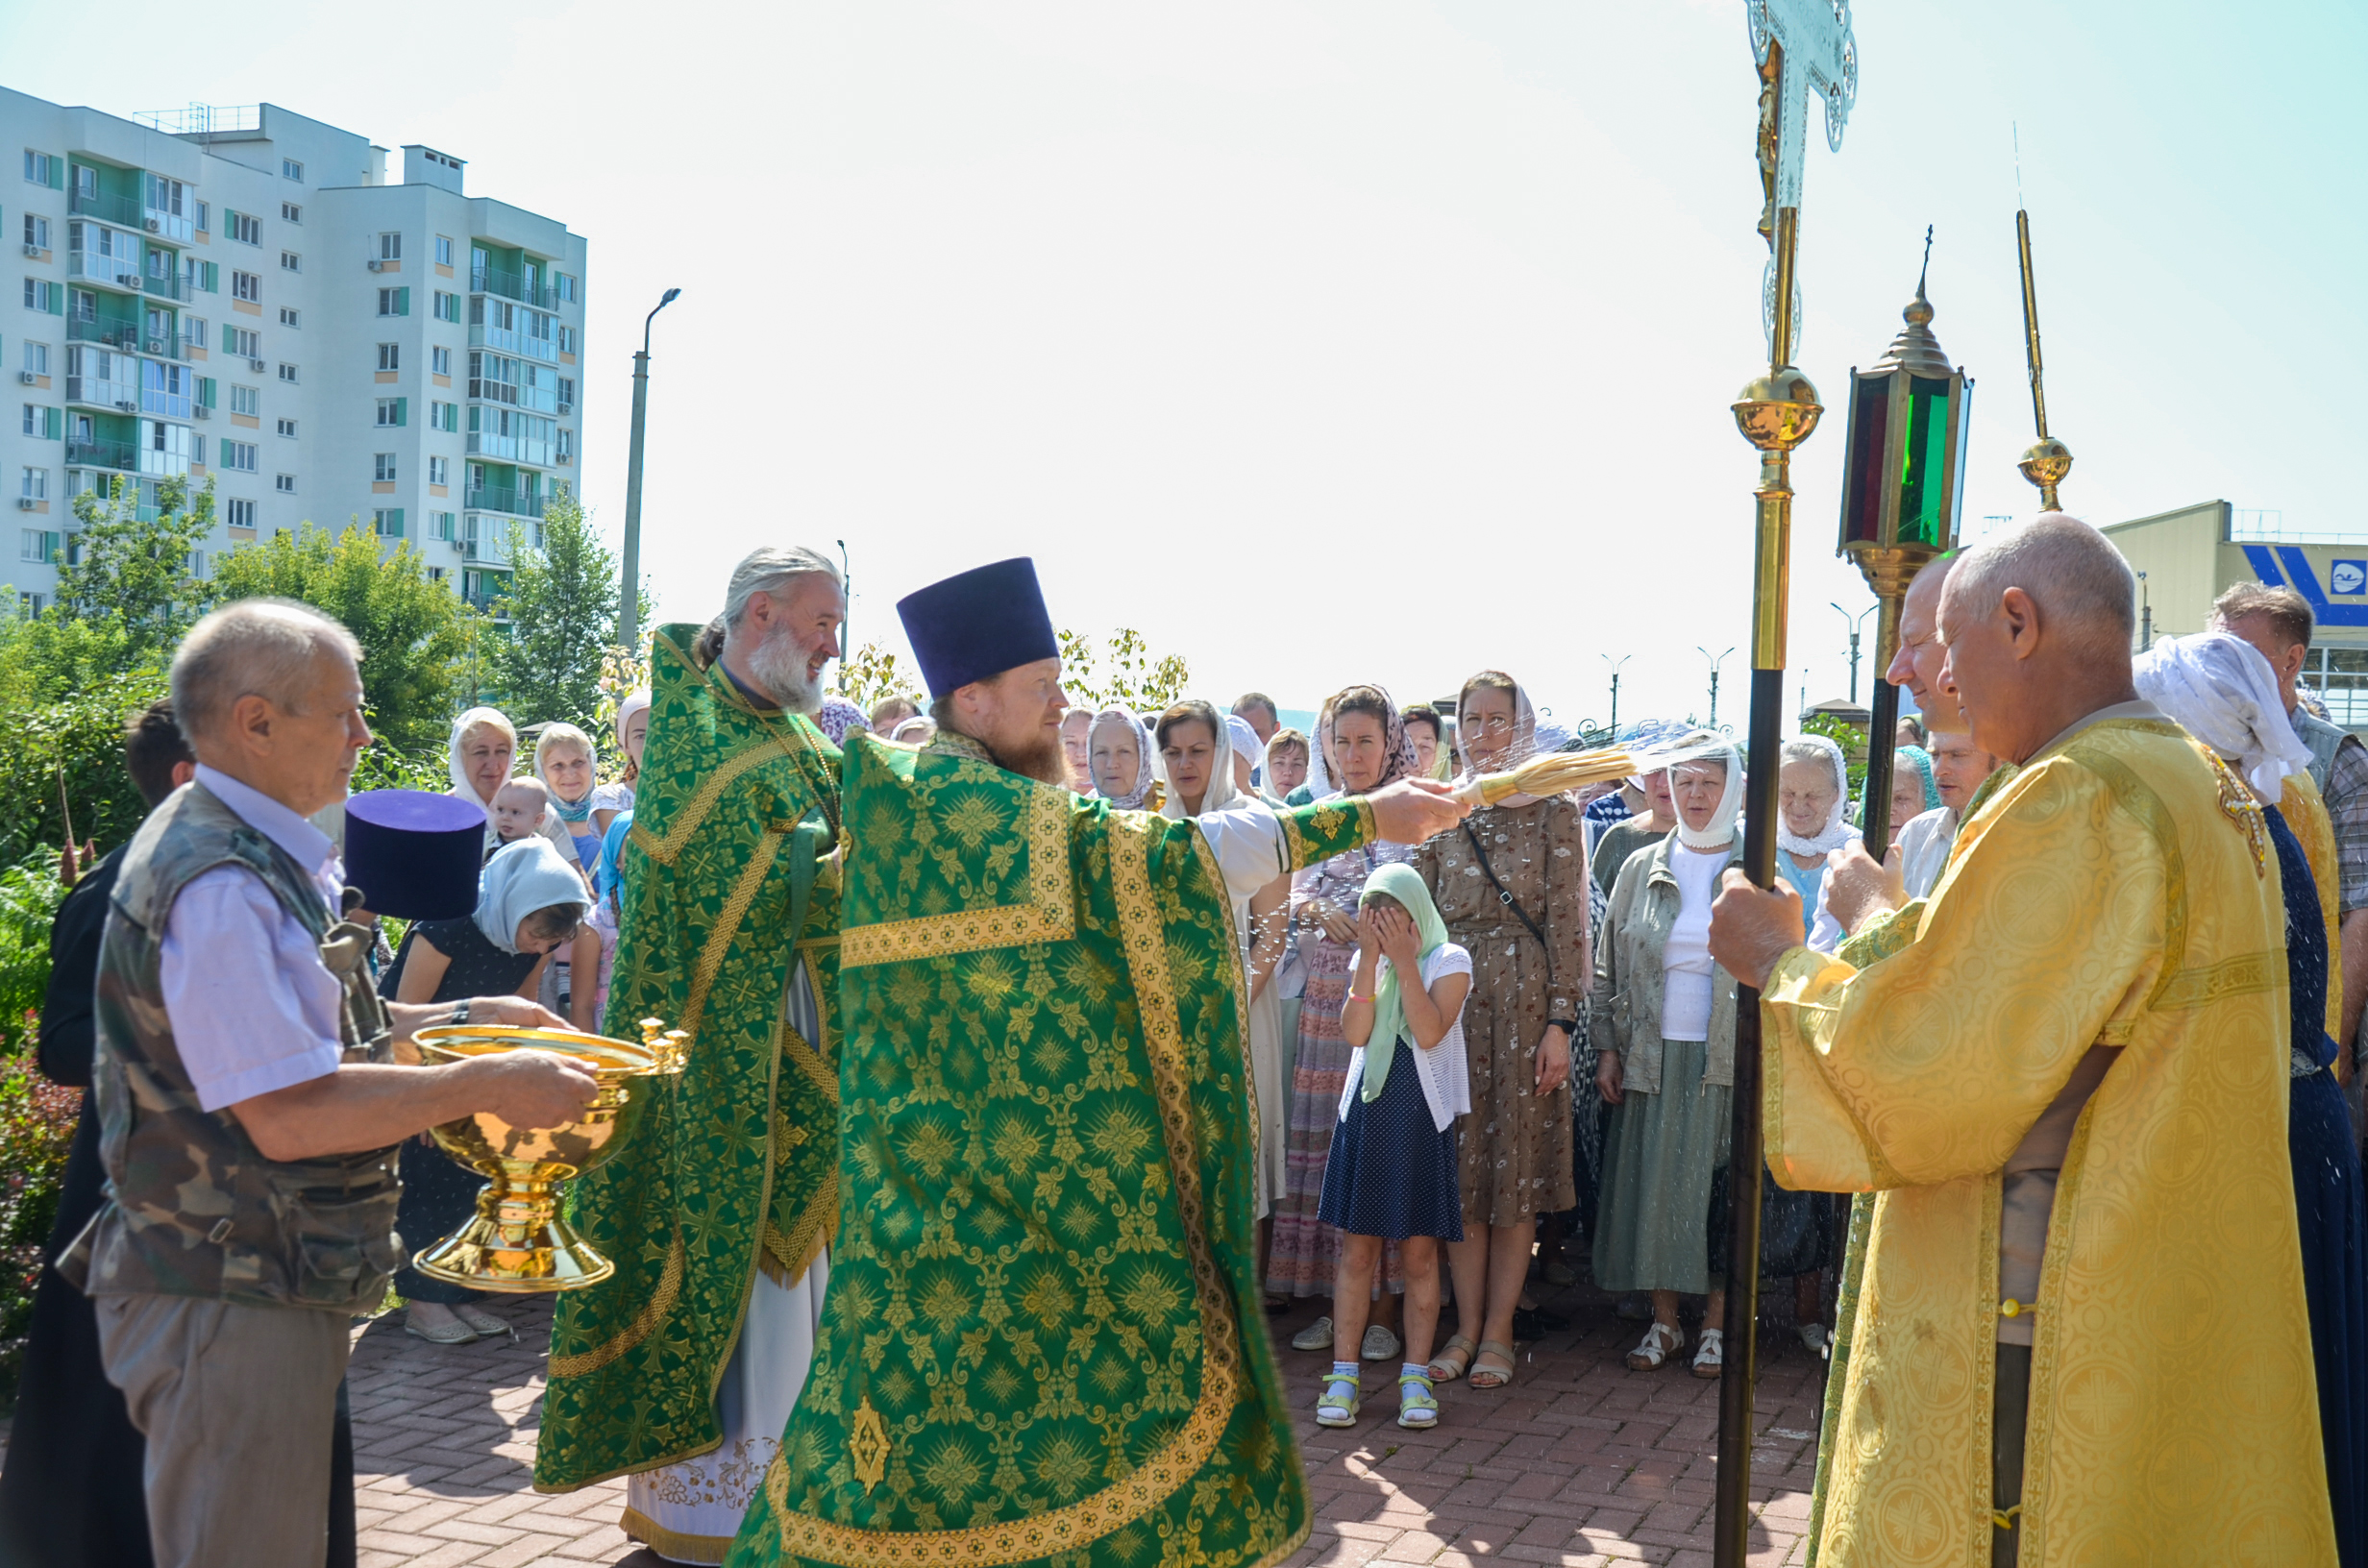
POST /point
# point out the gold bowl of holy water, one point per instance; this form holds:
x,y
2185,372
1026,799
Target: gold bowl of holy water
x,y
517,1242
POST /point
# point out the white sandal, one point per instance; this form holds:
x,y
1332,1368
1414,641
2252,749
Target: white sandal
x,y
1661,1341
1711,1358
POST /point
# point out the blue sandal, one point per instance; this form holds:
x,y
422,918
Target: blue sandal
x,y
1339,1405
1417,1406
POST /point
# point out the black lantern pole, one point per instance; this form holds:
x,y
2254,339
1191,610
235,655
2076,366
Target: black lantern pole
x,y
1902,486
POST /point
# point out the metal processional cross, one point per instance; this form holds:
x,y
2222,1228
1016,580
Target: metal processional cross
x,y
1800,46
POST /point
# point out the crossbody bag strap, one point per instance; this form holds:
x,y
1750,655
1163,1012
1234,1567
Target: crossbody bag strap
x,y
1506,898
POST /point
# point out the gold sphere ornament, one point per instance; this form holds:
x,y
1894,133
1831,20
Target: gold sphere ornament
x,y
1777,411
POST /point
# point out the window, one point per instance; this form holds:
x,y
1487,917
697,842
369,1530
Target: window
x,y
444,416
291,169
240,513
199,274
383,468
565,283
244,341
86,180
390,356
567,446
35,485
286,484
287,427
205,392
394,302
439,524
43,295
246,399
247,286
443,250
439,471
37,359
291,212
194,329
446,306
289,316
43,169
440,360
44,424
388,521
567,340
196,562
238,456
244,227
290,261
37,544
37,231
394,411
204,217
390,246
287,372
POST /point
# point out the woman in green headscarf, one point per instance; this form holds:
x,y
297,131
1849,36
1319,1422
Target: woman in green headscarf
x,y
1391,1174
1913,790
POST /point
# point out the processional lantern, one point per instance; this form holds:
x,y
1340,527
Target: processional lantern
x,y
1903,483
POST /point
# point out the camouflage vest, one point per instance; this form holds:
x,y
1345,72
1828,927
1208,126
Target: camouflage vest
x,y
194,1208
2323,739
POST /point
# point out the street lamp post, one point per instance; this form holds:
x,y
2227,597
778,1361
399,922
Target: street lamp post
x,y
1854,622
1615,668
1713,722
629,607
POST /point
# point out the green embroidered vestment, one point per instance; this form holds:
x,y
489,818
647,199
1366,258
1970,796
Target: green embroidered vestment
x,y
734,1169
1043,1341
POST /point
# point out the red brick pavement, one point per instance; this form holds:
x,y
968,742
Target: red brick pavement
x,y
1579,1462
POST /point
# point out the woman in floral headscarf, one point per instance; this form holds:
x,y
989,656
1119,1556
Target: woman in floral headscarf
x,y
1369,748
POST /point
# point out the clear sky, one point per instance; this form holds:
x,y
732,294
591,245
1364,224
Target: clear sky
x,y
1368,340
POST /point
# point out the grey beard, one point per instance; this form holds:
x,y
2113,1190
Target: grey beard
x,y
778,666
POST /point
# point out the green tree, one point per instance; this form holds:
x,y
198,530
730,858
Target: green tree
x,y
1136,681
136,569
871,675
413,630
563,601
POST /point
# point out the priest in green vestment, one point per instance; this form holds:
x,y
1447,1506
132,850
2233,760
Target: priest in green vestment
x,y
1043,1343
679,1371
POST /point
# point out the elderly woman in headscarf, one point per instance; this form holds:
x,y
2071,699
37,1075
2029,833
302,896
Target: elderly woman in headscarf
x,y
1200,750
1320,766
2227,696
478,757
633,729
1511,887
1663,1014
530,903
1369,749
1812,814
1915,791
1118,751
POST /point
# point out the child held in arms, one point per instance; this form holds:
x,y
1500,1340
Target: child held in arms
x,y
1392,1174
518,809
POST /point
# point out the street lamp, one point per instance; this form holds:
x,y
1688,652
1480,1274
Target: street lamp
x,y
1903,479
1854,622
1615,668
1712,722
628,608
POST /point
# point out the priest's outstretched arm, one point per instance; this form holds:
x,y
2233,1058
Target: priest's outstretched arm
x,y
1254,843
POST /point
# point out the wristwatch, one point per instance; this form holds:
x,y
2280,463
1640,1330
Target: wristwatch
x,y
460,1013
1569,1026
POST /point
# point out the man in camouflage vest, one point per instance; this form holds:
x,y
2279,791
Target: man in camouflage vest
x,y
251,1100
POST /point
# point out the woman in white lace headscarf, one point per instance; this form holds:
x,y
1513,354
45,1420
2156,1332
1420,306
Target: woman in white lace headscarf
x,y
1812,814
1120,752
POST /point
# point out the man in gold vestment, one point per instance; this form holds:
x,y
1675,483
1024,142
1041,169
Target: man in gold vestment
x,y
2081,1337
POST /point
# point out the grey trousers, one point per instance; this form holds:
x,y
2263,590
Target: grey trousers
x,y
237,1405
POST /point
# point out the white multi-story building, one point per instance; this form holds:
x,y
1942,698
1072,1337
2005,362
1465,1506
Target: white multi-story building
x,y
242,295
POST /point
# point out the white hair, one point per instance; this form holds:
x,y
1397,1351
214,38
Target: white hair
x,y
251,647
766,569
556,735
2071,572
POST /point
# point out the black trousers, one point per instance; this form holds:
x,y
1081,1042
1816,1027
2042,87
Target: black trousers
x,y
2010,1419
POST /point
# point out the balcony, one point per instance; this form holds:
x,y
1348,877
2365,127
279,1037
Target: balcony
x,y
164,404
113,334
101,392
103,454
106,271
511,285
177,289
500,499
126,210
169,225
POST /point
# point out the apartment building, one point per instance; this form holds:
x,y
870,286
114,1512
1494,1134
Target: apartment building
x,y
244,295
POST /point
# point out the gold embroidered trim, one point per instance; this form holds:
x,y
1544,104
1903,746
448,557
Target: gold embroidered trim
x,y
673,1545
1304,851
727,928
661,1302
810,1062
1077,1526
1049,913
785,1259
2243,976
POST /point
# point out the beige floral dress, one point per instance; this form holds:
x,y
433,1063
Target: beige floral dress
x,y
1515,1160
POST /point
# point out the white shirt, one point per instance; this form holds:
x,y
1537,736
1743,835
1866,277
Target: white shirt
x,y
1447,1077
1923,855
1685,961
252,1007
1250,849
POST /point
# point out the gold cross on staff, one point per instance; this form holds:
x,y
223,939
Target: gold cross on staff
x,y
1798,44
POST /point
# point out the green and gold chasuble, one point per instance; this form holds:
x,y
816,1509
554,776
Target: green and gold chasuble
x,y
1035,1347
733,1169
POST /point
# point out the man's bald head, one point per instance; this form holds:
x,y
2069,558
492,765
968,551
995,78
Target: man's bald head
x,y
2037,622
1916,664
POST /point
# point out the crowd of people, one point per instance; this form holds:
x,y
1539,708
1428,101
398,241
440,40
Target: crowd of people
x,y
1423,1060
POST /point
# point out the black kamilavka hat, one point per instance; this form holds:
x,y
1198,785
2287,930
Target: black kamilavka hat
x,y
415,855
977,623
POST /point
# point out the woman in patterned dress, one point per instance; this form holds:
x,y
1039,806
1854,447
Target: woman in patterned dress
x,y
1512,886
1369,749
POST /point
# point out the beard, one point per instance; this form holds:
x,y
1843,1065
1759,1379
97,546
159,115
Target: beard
x,y
778,667
1040,757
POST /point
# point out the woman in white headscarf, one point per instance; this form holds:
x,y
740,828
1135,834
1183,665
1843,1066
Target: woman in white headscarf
x,y
632,727
2225,694
478,757
1119,751
1812,814
1197,751
1511,884
1662,1017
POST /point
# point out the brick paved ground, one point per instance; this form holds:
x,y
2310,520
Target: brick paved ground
x,y
1579,1462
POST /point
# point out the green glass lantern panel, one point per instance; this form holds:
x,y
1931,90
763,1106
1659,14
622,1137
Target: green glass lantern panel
x,y
1863,493
1924,481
